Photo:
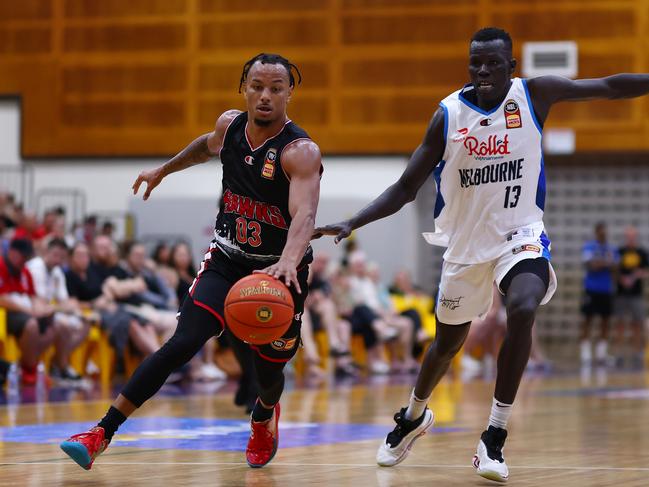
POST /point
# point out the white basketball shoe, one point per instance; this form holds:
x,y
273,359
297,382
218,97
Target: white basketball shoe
x,y
488,460
399,441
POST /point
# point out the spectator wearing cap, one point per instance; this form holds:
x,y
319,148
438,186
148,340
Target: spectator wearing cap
x,y
71,328
29,318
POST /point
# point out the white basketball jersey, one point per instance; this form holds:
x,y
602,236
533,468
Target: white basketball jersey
x,y
491,179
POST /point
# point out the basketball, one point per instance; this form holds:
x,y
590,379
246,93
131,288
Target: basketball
x,y
259,309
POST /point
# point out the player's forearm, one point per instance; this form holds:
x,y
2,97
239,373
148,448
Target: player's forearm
x,y
628,85
197,152
386,204
299,235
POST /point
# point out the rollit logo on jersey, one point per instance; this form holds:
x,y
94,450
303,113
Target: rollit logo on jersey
x,y
249,160
492,148
493,173
268,170
512,115
255,210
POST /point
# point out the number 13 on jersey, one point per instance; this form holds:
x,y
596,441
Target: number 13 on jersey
x,y
512,194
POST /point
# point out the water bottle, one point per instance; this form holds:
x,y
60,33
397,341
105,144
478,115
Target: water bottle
x,y
13,382
40,380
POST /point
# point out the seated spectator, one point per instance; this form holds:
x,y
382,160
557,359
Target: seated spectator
x,y
408,299
203,368
85,281
181,261
29,318
363,322
146,295
29,228
70,327
323,313
160,262
408,323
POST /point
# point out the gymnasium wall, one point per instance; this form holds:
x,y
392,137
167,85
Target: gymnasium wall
x,y
143,77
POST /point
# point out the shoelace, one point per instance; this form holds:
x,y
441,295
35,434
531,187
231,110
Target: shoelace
x,y
396,435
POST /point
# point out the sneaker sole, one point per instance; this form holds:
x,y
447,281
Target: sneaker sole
x,y
78,453
489,475
405,452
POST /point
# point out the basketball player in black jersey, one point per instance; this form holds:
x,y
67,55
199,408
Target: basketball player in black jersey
x,y
491,66
271,186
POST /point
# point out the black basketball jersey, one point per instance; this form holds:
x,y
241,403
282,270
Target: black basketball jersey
x,y
253,218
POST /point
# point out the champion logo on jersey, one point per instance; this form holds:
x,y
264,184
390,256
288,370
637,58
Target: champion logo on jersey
x,y
249,160
268,169
485,122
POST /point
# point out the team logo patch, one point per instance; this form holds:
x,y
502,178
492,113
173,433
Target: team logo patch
x,y
264,314
249,160
268,169
526,248
283,344
461,134
512,115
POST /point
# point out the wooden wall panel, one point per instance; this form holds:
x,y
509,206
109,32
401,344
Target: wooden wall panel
x,y
159,37
120,8
144,77
282,33
117,78
25,10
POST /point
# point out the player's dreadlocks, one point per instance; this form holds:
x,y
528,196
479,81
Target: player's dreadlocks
x,y
267,58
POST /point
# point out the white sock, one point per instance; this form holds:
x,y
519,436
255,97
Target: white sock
x,y
416,407
500,413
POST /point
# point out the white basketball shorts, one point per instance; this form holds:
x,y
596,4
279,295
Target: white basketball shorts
x,y
465,290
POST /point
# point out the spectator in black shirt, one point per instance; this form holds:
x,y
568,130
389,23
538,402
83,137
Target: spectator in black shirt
x,y
629,302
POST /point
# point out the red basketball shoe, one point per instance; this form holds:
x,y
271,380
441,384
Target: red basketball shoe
x,y
262,445
85,447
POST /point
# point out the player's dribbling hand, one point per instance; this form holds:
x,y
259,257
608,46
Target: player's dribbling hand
x,y
340,230
283,271
152,178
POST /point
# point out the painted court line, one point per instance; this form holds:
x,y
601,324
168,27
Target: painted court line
x,y
359,465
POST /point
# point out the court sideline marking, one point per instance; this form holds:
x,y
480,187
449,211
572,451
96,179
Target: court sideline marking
x,y
283,464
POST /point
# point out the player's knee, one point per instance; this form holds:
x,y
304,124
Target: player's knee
x,y
521,311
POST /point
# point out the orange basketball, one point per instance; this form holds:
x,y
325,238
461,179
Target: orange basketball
x,y
259,309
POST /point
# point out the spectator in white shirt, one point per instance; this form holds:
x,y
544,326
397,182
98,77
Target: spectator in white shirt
x,y
71,328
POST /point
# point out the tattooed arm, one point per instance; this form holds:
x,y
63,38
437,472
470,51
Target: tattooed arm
x,y
200,150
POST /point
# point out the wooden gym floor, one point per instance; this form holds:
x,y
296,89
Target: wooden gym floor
x,y
568,429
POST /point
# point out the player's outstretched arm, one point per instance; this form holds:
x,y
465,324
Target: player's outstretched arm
x,y
547,90
200,150
301,161
421,163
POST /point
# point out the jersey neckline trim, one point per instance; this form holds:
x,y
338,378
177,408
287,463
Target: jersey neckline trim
x,y
253,149
477,108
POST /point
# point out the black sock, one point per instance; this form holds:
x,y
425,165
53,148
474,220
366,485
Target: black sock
x,y
113,420
260,413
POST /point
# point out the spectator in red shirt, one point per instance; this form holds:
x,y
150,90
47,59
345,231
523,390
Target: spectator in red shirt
x,y
29,318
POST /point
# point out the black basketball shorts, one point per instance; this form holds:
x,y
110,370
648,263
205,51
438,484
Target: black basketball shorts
x,y
219,273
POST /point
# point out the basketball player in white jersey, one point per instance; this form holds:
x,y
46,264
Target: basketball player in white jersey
x,y
484,146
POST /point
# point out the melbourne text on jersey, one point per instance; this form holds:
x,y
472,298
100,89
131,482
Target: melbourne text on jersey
x,y
493,173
